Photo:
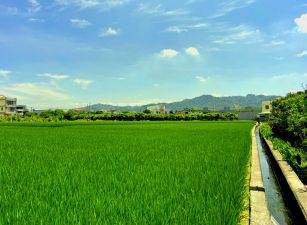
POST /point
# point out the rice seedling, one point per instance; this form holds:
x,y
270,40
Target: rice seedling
x,y
124,173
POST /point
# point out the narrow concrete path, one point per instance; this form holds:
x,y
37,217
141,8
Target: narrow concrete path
x,y
259,212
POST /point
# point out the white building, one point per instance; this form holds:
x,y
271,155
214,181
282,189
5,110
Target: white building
x,y
157,109
7,105
21,109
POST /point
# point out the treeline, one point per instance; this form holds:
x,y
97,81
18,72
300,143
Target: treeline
x,y
71,115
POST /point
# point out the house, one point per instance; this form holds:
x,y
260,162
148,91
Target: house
x,y
266,107
266,110
157,109
7,105
21,109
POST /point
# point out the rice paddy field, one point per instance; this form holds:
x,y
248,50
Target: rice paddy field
x,y
124,172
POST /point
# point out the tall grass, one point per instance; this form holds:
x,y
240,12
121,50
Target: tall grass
x,y
124,173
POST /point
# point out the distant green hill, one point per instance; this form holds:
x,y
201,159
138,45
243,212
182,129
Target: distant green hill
x,y
204,101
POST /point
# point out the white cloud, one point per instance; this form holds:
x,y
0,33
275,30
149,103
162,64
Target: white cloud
x,y
84,84
216,95
201,79
38,90
109,32
238,34
84,4
301,22
79,23
36,20
34,6
192,51
156,85
301,54
276,43
289,76
186,28
11,11
158,10
228,6
54,76
278,58
168,53
5,73
120,78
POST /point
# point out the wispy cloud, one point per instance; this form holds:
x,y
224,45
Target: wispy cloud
x,y
54,76
192,51
201,79
239,33
8,11
109,32
35,6
278,58
289,76
80,23
36,20
301,23
84,84
40,91
185,28
168,53
301,54
159,10
228,6
5,73
277,43
120,78
84,4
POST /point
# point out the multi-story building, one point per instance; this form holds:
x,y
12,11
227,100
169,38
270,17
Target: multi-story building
x,y
7,105
21,109
266,110
266,106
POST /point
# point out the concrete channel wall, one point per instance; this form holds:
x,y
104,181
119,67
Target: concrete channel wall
x,y
295,189
259,212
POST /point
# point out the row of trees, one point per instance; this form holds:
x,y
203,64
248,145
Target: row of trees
x,y
71,115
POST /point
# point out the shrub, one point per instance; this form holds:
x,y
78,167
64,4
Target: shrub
x,y
288,152
289,118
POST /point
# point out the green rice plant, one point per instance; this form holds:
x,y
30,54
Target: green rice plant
x,y
124,172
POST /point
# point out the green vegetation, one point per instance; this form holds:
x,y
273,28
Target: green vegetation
x,y
289,118
287,130
72,115
123,172
288,152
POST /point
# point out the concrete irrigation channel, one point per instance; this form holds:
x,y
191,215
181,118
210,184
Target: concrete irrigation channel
x,y
272,200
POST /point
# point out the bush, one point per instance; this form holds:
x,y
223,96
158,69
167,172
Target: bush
x,y
288,152
289,118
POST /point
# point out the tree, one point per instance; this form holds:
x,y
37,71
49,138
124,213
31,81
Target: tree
x,y
147,111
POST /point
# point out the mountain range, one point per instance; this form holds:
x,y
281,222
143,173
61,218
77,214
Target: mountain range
x,y
205,101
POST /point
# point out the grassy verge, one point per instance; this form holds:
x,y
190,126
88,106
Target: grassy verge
x,y
288,152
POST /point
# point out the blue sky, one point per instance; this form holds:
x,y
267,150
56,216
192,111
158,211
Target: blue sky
x,y
70,53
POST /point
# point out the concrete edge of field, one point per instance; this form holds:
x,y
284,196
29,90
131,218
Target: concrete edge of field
x,y
296,186
258,207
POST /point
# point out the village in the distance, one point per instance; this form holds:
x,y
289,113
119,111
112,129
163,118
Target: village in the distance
x,y
10,106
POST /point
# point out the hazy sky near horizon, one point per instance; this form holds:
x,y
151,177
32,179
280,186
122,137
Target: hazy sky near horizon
x,y
69,53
